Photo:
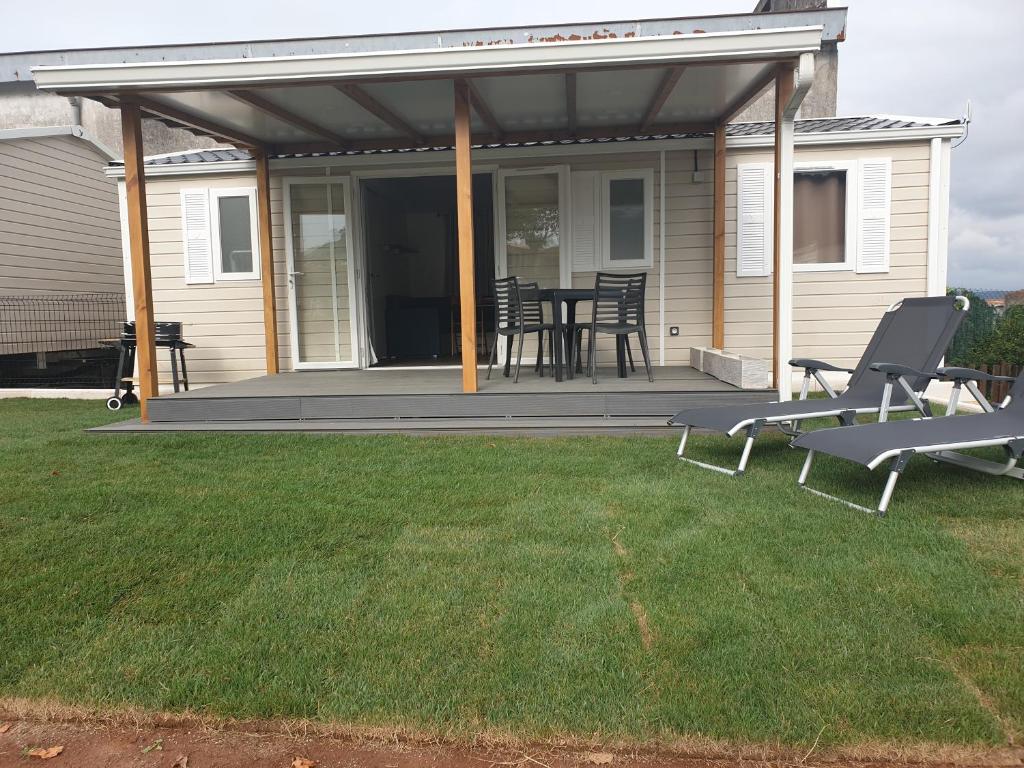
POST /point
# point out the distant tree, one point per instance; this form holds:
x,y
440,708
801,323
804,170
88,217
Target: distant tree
x,y
1006,343
976,329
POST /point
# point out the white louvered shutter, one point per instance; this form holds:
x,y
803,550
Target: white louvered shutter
x,y
753,215
196,238
585,230
873,215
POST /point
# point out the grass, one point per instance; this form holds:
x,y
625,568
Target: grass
x,y
463,584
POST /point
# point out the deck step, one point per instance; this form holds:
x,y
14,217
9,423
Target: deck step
x,y
301,408
549,427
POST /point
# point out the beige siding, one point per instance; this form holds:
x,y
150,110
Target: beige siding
x,y
834,312
59,225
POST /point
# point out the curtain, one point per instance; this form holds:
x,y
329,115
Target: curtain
x,y
819,217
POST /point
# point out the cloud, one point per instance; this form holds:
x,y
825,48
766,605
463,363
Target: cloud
x,y
985,250
930,58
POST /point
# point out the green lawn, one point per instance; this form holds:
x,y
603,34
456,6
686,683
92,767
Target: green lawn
x,y
464,584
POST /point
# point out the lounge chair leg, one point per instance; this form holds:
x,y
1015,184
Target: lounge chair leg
x,y
802,480
898,465
682,442
805,386
752,432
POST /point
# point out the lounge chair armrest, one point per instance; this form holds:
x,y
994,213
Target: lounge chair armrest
x,y
895,370
970,374
817,365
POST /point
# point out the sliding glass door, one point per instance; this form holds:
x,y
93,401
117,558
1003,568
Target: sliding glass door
x,y
321,275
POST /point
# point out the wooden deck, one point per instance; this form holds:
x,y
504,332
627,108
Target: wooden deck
x,y
432,401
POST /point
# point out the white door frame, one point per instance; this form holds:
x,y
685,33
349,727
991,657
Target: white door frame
x,y
357,229
286,184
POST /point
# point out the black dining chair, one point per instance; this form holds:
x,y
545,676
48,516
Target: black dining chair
x,y
518,311
619,311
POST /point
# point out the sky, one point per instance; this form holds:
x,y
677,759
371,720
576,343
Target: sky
x,y
902,57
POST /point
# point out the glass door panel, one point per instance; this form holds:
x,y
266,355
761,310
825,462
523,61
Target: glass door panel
x,y
320,275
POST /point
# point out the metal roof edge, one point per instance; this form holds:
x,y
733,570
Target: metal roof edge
x,y
851,138
73,131
481,59
16,65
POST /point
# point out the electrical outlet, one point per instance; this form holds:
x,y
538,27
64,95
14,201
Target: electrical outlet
x,y
699,177
673,330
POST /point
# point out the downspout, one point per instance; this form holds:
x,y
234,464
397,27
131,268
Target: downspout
x,y
803,77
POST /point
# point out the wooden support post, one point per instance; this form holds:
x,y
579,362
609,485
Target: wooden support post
x,y
266,258
464,198
718,262
784,88
138,244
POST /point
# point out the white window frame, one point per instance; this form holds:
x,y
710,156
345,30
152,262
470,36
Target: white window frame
x,y
215,194
647,262
852,213
564,213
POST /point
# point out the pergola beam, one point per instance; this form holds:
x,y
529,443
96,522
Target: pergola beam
x,y
188,120
718,254
138,246
467,262
378,110
483,111
749,95
263,215
668,84
280,113
791,85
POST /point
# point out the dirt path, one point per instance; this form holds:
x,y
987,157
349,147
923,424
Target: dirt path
x,y
97,745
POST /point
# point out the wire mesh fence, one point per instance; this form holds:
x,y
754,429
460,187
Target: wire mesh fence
x,y
992,335
52,340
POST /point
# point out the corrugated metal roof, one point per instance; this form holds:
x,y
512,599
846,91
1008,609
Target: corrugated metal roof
x,y
819,125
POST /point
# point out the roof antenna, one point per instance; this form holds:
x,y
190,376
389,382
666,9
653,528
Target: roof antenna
x,y
966,120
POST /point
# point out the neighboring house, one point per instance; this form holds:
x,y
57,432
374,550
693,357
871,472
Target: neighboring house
x,y
59,218
335,242
61,267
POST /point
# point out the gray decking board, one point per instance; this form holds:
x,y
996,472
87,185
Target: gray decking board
x,y
420,394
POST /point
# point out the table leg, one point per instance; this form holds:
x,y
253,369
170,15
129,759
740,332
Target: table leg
x,y
556,312
620,355
570,338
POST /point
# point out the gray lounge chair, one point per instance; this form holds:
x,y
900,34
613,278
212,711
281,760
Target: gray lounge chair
x,y
908,343
939,439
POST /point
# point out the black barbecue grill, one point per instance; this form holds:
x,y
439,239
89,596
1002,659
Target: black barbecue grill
x,y
168,336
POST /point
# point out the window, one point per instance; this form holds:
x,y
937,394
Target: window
x,y
235,238
841,216
627,218
219,235
824,217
